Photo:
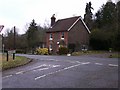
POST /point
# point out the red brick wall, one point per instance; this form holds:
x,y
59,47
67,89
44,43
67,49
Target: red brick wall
x,y
56,38
78,35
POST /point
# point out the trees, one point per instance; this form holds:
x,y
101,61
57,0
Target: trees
x,y
88,15
35,36
20,42
109,16
9,39
101,40
32,35
106,27
106,17
117,33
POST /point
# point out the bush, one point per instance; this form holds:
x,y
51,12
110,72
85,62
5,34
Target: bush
x,y
63,50
42,51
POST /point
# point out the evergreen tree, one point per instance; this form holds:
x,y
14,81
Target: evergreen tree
x,y
117,34
107,23
109,16
32,35
88,15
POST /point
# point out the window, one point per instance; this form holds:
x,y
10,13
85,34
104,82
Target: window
x,y
50,47
84,48
50,37
62,35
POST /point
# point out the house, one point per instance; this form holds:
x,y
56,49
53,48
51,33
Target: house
x,y
69,32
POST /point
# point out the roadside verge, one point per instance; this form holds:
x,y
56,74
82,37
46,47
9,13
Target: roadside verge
x,y
19,61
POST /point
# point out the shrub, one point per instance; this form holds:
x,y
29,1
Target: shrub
x,y
42,51
76,53
63,50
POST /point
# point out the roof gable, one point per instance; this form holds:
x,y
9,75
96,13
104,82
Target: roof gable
x,y
66,24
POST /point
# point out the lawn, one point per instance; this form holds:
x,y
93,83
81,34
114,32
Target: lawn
x,y
4,64
108,54
114,55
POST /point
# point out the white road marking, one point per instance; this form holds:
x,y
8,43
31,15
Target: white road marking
x,y
78,62
7,76
98,63
50,66
51,59
41,69
85,63
38,66
66,68
56,66
40,77
113,65
34,69
21,72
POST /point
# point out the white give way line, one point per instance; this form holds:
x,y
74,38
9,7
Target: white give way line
x,y
37,68
113,65
66,68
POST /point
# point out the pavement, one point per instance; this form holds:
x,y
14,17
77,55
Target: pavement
x,y
63,72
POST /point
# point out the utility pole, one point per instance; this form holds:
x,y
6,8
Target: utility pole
x,y
2,44
14,43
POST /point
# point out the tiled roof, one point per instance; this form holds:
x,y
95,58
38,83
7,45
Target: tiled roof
x,y
63,24
66,24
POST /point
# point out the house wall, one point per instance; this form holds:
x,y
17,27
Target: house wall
x,y
79,36
56,38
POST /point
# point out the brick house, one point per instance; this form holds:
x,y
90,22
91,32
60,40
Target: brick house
x,y
69,32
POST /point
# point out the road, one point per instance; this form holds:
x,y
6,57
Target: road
x,y
63,72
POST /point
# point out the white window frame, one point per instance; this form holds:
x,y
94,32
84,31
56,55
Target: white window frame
x,y
62,35
50,36
50,47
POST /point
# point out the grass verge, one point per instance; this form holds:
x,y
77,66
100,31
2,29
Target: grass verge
x,y
109,55
19,61
114,55
87,53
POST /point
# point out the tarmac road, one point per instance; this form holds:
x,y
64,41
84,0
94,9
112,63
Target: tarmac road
x,y
63,72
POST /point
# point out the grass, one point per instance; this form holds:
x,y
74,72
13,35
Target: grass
x,y
87,53
19,60
114,55
110,55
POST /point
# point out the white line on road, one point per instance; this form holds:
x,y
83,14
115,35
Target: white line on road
x,y
7,76
50,66
85,63
39,66
66,68
56,66
41,69
113,65
98,63
21,72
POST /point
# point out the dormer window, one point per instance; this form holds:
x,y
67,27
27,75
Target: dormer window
x,y
50,37
62,36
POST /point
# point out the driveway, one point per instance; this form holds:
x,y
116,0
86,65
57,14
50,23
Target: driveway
x,y
63,72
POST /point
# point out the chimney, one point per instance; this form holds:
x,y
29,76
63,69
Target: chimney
x,y
53,20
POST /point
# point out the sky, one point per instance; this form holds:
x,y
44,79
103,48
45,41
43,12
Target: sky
x,y
20,13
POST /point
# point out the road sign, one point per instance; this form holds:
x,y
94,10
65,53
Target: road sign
x,y
11,51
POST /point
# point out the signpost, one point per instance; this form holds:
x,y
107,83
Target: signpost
x,y
14,44
12,52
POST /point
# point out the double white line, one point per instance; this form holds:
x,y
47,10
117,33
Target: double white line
x,y
66,68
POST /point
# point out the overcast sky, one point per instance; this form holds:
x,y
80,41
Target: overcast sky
x,y
21,12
